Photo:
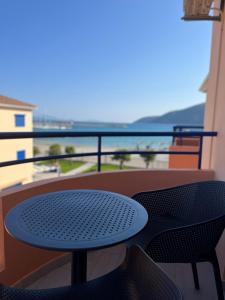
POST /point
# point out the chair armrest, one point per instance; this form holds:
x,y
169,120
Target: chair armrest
x,y
187,243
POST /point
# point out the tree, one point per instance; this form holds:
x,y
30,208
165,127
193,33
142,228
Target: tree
x,y
70,149
148,158
54,150
122,158
36,151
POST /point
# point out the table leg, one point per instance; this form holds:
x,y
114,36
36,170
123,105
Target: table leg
x,y
79,267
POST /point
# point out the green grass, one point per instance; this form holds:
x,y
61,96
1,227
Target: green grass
x,y
107,168
65,165
69,165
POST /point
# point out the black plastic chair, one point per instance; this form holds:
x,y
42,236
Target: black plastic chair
x,y
185,225
137,278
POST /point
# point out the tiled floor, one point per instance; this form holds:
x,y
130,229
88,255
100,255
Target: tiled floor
x,y
182,276
100,262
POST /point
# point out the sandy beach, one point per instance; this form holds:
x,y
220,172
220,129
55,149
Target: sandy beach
x,y
160,162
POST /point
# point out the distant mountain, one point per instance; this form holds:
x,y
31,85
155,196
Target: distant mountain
x,y
41,118
190,116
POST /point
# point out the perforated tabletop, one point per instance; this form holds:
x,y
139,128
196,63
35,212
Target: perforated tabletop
x,y
76,220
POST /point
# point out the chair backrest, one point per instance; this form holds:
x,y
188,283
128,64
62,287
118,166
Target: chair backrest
x,y
195,202
154,282
209,200
205,223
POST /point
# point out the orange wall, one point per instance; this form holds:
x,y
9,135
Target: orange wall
x,y
2,261
21,260
183,161
186,141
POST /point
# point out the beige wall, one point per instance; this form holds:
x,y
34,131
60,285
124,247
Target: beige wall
x,y
7,119
15,174
214,149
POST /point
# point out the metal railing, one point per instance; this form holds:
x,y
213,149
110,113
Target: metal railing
x,y
183,128
99,135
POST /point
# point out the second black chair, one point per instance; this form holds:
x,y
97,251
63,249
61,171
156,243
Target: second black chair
x,y
185,225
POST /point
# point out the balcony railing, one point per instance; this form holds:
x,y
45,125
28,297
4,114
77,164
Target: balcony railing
x,y
183,128
100,135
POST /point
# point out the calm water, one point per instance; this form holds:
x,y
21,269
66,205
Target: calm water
x,y
114,142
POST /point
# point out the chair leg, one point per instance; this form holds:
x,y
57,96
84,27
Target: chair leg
x,y
195,275
216,269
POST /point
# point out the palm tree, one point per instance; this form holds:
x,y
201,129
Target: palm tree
x,y
148,157
122,158
36,150
70,149
55,150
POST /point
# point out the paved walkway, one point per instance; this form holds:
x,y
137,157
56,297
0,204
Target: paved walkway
x,y
79,170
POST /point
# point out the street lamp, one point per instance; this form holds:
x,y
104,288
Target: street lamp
x,y
199,10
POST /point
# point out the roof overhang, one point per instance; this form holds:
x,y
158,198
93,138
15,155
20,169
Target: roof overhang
x,y
200,10
17,107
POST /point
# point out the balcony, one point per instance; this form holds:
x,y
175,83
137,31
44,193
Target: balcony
x,y
191,158
41,269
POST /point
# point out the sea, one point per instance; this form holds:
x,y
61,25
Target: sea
x,y
112,142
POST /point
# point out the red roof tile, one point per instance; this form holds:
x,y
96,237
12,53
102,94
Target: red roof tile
x,y
6,101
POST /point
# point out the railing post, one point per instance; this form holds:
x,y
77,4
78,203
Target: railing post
x,y
174,130
99,152
200,153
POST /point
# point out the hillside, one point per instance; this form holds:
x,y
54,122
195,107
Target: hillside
x,y
189,116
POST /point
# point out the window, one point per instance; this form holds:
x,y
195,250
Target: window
x,y
20,154
20,120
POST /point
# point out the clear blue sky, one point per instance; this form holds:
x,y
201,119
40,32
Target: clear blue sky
x,y
108,60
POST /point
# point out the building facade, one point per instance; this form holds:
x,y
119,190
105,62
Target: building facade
x,y
214,149
15,116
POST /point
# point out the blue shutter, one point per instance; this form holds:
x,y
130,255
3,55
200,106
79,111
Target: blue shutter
x,y
20,120
20,154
